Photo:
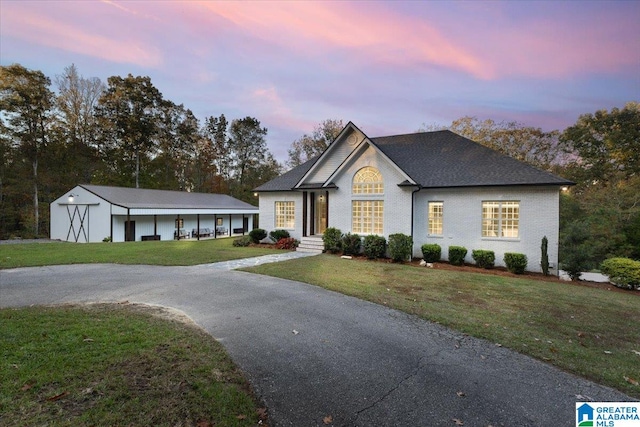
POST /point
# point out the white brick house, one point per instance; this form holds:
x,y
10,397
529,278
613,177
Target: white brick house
x,y
437,187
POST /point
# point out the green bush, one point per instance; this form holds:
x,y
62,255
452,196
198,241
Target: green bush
x,y
242,241
288,243
622,272
351,244
457,254
257,234
516,263
276,235
332,239
400,247
431,252
483,258
374,246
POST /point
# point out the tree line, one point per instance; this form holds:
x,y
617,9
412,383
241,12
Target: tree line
x,y
122,133
126,133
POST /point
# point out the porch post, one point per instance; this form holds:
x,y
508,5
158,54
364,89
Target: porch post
x,y
198,225
304,214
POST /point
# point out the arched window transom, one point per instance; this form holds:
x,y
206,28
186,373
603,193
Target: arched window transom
x,y
368,180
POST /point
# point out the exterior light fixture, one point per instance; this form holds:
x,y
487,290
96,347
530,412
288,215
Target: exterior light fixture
x,y
71,197
255,194
564,188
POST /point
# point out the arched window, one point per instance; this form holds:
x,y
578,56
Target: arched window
x,y
368,180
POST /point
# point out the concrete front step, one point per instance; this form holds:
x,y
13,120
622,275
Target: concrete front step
x,y
311,244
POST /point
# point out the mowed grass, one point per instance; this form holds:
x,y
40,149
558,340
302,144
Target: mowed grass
x,y
182,252
108,365
590,332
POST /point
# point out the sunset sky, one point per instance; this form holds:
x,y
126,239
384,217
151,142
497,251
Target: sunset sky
x,y
389,66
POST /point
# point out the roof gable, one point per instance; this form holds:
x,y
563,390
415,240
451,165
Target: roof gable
x,y
349,139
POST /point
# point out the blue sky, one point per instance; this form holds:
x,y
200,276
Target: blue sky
x,y
388,66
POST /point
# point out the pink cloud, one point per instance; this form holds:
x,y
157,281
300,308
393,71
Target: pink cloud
x,y
35,25
365,31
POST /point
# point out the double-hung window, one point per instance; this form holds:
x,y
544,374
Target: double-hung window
x,y
285,215
501,219
436,211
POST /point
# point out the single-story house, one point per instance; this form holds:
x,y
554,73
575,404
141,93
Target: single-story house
x,y
437,187
91,213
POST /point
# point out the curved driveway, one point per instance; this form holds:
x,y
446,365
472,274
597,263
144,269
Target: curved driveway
x,y
312,354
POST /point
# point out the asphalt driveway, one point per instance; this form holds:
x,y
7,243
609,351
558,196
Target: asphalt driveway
x,y
312,354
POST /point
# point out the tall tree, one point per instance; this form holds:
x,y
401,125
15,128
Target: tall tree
x,y
177,136
216,131
528,144
605,152
76,125
248,154
605,145
129,111
25,109
309,146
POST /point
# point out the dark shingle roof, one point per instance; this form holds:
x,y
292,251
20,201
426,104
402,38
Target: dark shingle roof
x,y
446,159
441,159
163,199
289,179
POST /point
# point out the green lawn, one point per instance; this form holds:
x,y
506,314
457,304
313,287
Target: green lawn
x,y
182,252
590,332
108,365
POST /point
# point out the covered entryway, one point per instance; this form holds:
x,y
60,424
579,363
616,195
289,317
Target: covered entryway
x,y
320,212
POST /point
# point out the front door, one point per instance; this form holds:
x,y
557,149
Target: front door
x,y
129,231
320,212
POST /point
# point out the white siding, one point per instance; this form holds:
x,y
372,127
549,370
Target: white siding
x,y
96,213
397,200
340,150
462,222
267,210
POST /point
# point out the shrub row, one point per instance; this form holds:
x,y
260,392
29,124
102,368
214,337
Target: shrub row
x,y
372,246
515,262
622,272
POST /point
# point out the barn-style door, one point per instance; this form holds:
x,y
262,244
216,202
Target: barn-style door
x,y
78,217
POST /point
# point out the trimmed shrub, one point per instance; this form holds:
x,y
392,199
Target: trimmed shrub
x,y
276,235
288,243
257,234
400,247
351,244
483,258
374,246
332,239
457,254
622,272
431,252
516,263
242,241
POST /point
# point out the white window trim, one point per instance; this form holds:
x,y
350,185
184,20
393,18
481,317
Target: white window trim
x,y
500,237
429,234
292,214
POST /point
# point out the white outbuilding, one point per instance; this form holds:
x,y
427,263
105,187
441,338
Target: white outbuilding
x,y
93,213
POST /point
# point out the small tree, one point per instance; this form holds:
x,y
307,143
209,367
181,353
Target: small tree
x,y
544,261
